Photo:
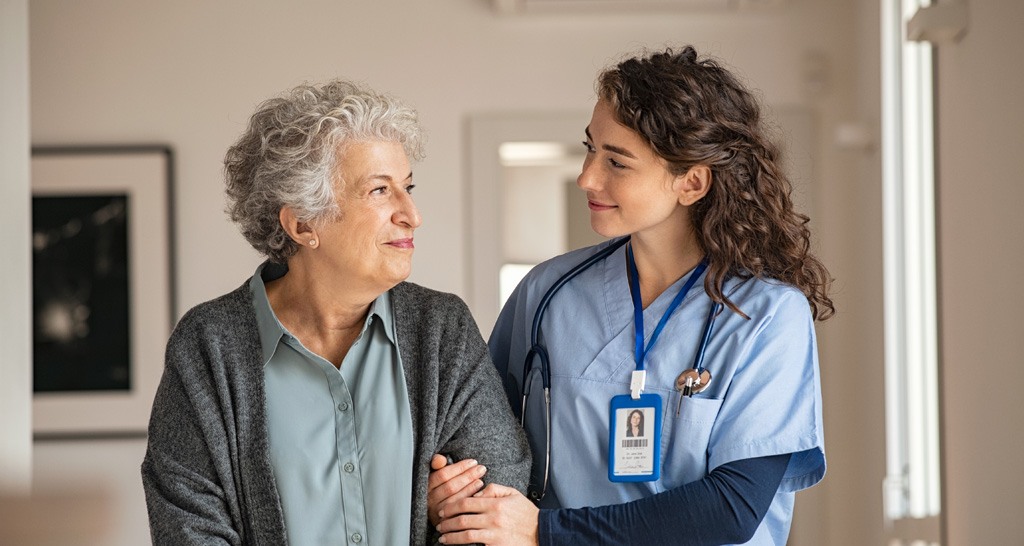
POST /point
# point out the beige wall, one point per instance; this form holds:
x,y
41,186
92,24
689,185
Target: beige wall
x,y
846,509
15,275
188,73
980,116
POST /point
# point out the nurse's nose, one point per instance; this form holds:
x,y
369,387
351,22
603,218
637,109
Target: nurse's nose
x,y
587,180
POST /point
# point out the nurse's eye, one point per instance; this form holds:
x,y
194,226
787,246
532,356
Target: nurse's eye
x,y
590,147
615,164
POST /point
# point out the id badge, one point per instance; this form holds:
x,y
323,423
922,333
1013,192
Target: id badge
x,y
634,439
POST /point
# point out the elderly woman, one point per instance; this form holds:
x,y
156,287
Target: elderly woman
x,y
304,406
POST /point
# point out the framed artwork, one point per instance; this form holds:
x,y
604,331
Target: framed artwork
x,y
102,286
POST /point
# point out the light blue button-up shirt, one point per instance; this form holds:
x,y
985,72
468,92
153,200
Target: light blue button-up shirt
x,y
340,439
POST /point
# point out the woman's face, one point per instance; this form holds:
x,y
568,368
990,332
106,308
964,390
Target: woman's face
x,y
634,419
629,187
371,242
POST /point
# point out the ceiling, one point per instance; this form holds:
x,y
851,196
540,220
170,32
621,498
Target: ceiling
x,y
514,7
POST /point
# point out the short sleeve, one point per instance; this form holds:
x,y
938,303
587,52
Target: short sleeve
x,y
773,404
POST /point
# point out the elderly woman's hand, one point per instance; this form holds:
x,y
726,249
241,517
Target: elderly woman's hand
x,y
498,515
451,482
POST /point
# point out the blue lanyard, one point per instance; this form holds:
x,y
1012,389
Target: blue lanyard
x,y
638,309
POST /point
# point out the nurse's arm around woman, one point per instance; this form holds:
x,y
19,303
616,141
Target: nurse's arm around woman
x,y
700,312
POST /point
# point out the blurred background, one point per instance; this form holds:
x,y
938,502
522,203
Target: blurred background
x,y
504,89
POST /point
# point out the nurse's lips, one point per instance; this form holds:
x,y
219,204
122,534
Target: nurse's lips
x,y
402,243
598,207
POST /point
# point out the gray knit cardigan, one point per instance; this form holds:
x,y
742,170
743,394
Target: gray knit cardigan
x,y
207,472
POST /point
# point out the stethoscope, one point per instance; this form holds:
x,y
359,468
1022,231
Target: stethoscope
x,y
690,382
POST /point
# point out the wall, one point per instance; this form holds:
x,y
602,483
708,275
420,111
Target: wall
x,y
979,120
105,472
189,73
847,508
848,199
15,276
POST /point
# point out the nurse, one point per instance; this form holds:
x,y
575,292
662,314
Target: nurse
x,y
681,175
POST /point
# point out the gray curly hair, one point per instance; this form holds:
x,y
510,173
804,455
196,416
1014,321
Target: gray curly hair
x,y
288,156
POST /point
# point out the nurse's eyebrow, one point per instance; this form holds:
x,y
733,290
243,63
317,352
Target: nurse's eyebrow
x,y
610,147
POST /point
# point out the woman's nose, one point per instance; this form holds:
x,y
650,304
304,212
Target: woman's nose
x,y
407,214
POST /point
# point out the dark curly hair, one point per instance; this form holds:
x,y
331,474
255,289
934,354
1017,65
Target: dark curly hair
x,y
692,111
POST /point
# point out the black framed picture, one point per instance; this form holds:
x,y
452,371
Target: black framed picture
x,y
103,285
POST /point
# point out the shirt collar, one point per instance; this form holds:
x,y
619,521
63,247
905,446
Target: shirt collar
x,y
270,328
382,309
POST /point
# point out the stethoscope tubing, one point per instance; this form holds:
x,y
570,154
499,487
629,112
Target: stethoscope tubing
x,y
709,325
535,347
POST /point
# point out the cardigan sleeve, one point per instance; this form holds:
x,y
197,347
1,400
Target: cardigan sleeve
x,y
206,475
457,401
479,423
186,502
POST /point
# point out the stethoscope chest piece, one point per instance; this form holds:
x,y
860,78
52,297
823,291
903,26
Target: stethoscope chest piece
x,y
692,382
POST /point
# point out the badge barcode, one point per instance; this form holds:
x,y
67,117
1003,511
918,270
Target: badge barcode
x,y
641,442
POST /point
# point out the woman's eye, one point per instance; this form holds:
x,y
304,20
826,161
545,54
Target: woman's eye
x,y
408,189
615,164
379,190
589,147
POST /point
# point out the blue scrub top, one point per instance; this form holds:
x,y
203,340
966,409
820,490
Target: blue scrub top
x,y
764,397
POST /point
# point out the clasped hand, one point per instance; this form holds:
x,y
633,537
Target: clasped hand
x,y
465,512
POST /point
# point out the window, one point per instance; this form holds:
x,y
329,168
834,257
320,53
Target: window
x,y
912,485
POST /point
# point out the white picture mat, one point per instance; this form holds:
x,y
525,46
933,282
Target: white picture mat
x,y
143,177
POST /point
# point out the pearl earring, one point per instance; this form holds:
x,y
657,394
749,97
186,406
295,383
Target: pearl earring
x,y
312,242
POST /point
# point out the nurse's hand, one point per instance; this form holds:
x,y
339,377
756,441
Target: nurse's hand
x,y
498,515
451,482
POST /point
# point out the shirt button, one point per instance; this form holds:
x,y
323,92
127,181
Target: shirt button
x,y
349,467
343,406
356,537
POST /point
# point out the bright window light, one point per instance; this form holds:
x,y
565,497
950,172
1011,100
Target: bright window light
x,y
513,154
508,279
912,485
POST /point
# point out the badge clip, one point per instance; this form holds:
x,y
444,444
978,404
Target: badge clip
x,y
637,383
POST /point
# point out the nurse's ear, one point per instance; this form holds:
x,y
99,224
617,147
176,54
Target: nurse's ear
x,y
693,185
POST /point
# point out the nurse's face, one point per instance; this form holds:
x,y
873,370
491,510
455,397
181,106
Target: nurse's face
x,y
629,187
635,419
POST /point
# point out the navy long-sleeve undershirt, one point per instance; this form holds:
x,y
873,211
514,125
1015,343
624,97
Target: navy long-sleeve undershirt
x,y
725,507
